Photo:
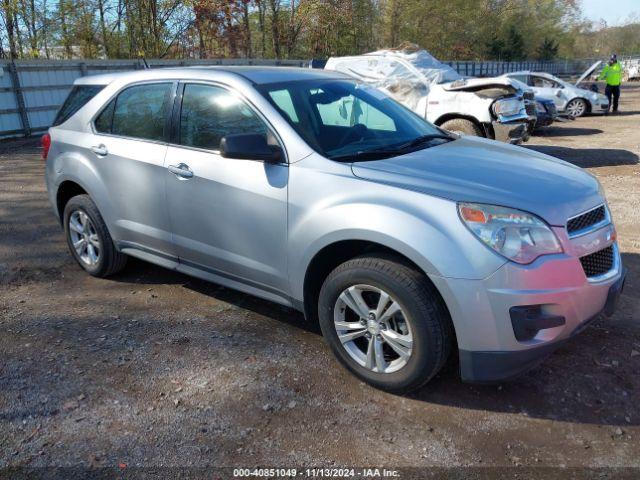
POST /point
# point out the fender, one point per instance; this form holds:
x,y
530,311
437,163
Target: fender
x,y
74,167
424,229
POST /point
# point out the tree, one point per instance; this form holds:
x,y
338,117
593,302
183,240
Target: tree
x,y
514,45
548,50
9,11
450,30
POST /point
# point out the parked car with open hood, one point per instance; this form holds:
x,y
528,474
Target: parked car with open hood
x,y
570,99
482,107
404,242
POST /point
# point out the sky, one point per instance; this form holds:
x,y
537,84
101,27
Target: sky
x,y
614,12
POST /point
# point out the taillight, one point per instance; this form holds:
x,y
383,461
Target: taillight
x,y
45,141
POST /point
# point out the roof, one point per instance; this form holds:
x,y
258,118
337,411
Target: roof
x,y
256,75
530,72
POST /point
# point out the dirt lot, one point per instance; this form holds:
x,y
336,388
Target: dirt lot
x,y
153,368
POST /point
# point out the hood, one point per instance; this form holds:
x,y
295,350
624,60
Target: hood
x,y
484,171
588,72
472,84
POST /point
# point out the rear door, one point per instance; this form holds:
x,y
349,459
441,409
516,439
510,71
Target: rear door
x,y
129,145
228,216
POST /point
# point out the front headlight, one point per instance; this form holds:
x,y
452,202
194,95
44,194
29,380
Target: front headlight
x,y
514,234
507,106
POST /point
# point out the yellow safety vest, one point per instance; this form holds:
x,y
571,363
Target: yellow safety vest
x,y
612,73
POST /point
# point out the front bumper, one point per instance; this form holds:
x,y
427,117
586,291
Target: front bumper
x,y
515,132
554,289
496,366
600,105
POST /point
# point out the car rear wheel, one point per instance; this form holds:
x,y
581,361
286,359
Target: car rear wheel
x,y
385,322
89,240
462,126
577,107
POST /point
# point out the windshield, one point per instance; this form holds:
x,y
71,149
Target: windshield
x,y
346,120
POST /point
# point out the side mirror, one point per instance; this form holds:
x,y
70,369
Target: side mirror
x,y
249,146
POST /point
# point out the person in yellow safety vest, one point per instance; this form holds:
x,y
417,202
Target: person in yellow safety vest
x,y
612,73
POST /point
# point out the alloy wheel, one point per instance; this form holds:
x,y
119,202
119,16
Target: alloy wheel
x,y
576,108
373,328
84,238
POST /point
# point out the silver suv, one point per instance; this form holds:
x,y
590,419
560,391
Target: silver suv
x,y
312,190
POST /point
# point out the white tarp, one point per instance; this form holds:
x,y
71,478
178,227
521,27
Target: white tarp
x,y
406,74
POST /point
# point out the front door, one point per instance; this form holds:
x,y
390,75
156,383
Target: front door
x,y
228,216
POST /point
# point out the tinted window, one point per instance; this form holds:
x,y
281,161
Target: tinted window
x,y
209,113
78,98
138,112
103,122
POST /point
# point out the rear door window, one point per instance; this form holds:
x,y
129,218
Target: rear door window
x,y
137,112
521,78
78,98
542,82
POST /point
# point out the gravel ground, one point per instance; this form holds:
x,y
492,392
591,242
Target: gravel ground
x,y
153,368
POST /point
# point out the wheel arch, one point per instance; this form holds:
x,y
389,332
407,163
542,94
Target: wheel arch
x,y
338,252
65,192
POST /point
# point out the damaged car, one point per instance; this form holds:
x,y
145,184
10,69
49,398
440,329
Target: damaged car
x,y
482,107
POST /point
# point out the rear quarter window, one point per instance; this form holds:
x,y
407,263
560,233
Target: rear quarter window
x,y
78,98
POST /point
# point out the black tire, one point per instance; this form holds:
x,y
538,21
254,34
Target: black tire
x,y
110,261
462,125
425,311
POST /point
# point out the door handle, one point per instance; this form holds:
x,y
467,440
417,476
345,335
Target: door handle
x,y
181,170
100,150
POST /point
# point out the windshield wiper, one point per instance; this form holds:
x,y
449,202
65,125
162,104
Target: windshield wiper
x,y
422,139
391,150
365,155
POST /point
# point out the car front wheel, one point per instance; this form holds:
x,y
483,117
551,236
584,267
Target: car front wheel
x,y
462,126
385,322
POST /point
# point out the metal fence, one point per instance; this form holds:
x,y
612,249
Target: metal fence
x,y
31,91
560,68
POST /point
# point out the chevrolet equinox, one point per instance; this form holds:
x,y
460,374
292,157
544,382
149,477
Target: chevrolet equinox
x,y
313,190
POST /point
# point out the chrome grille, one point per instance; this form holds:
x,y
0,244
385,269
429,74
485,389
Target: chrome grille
x,y
592,217
598,263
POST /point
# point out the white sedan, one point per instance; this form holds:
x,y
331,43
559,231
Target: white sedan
x,y
569,98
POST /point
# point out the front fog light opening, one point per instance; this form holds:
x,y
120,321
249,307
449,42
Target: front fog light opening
x,y
528,320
